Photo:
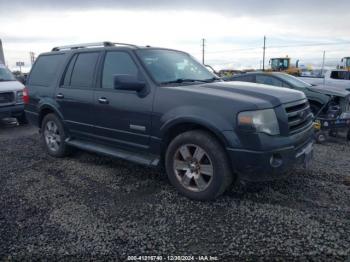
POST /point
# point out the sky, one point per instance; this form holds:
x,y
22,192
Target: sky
x,y
233,30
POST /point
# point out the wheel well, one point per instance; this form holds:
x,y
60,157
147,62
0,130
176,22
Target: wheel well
x,y
184,127
43,113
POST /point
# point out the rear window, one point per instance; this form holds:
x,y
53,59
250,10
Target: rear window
x,y
45,69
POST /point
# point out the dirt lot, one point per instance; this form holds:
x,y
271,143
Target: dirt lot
x,y
88,205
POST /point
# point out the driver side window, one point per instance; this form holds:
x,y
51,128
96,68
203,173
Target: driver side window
x,y
117,63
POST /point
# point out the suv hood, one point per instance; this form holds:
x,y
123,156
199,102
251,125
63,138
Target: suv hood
x,y
262,95
331,90
6,86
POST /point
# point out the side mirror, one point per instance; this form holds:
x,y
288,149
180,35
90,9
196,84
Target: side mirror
x,y
128,82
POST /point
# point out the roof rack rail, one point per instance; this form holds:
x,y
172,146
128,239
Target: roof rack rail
x,y
78,46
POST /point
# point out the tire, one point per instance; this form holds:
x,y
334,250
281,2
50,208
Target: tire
x,y
22,120
197,165
52,132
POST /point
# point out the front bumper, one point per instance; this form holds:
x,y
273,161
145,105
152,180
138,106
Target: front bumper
x,y
11,111
274,163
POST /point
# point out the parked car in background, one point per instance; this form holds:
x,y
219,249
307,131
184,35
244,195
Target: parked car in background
x,y
318,95
157,106
11,96
336,78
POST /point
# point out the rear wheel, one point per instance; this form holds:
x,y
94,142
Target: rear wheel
x,y
197,165
53,136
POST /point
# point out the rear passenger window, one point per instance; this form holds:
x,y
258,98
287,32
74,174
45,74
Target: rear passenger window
x,y
68,74
83,72
45,69
117,63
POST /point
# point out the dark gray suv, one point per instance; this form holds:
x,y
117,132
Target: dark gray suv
x,y
157,106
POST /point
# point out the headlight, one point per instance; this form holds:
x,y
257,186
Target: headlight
x,y
19,97
263,121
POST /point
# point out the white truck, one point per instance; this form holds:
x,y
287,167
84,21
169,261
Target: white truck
x,y
336,78
11,96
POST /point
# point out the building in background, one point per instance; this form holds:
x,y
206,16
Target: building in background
x,y
2,56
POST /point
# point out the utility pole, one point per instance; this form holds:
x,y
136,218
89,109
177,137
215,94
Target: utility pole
x,y
203,47
2,57
32,57
323,61
264,49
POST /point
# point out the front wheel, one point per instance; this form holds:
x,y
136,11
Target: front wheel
x,y
197,165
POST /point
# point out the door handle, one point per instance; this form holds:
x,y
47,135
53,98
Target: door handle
x,y
60,96
103,100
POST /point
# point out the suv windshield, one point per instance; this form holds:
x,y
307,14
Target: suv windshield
x,y
167,66
5,74
293,81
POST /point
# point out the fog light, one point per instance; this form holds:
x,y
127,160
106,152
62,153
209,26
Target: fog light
x,y
276,160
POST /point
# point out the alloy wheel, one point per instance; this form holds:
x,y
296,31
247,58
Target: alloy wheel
x,y
193,167
52,136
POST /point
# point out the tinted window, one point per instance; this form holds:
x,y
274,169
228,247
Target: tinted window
x,y
69,70
268,80
84,68
244,78
45,69
343,75
117,63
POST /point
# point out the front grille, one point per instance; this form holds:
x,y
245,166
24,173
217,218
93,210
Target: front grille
x,y
299,116
7,98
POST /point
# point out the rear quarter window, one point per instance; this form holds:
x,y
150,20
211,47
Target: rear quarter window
x,y
45,69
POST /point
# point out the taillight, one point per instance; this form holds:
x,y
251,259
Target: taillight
x,y
25,96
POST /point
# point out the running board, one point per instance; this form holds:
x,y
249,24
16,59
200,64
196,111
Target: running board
x,y
143,159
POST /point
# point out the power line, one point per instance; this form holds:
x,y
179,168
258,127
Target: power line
x,y
278,46
313,44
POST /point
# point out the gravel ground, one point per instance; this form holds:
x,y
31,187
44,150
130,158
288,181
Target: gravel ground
x,y
92,206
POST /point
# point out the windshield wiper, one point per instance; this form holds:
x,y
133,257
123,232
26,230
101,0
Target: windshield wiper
x,y
183,80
